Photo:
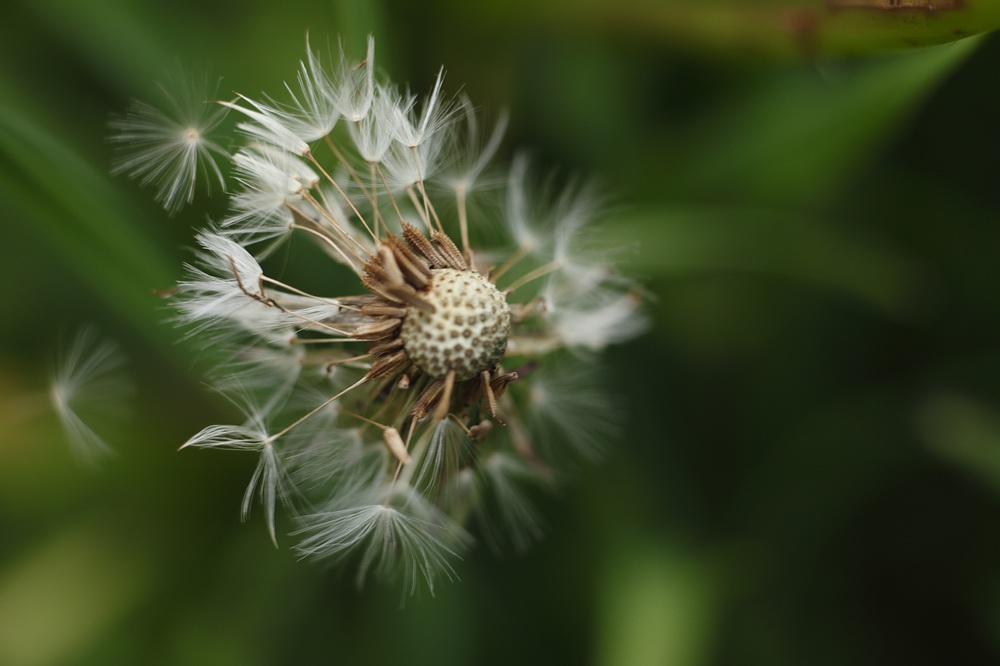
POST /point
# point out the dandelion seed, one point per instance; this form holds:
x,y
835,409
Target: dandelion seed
x,y
412,131
270,125
374,132
353,86
522,208
167,148
473,152
269,479
313,108
571,408
88,383
445,379
401,531
507,480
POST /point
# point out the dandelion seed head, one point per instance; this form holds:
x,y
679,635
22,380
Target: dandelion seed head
x,y
466,332
447,380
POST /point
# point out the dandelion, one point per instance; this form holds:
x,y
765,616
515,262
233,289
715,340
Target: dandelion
x,y
389,413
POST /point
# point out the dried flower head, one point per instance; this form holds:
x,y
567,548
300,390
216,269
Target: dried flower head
x,y
388,416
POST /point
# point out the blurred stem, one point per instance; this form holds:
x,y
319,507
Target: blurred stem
x,y
777,28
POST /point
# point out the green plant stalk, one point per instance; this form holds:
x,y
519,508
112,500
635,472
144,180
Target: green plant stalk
x,y
773,28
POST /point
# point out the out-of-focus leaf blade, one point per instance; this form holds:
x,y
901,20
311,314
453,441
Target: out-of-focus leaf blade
x,y
658,608
66,594
690,241
965,433
117,40
773,28
798,138
50,188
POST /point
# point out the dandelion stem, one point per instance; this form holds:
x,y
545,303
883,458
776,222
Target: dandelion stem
x,y
328,216
360,252
329,241
399,465
420,209
373,197
512,260
328,301
463,223
388,190
320,324
323,341
273,438
366,420
541,271
343,194
423,191
347,165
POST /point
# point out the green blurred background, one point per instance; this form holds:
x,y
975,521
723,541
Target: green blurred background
x,y
809,471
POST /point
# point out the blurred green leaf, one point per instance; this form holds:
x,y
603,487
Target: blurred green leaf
x,y
795,139
774,28
658,608
65,595
792,440
55,192
116,39
964,432
691,240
